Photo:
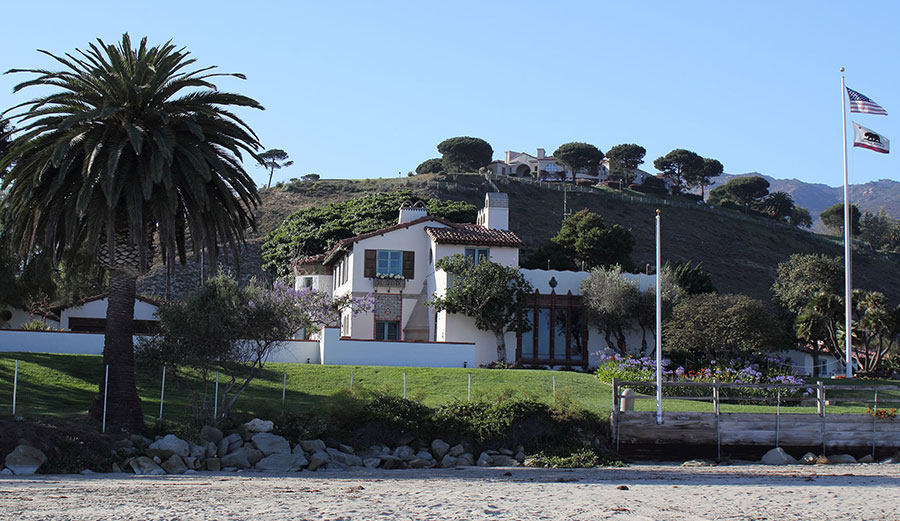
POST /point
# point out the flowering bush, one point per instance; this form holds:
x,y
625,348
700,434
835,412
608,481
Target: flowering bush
x,y
389,276
763,370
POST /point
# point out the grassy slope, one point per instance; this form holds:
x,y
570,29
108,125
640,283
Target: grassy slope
x,y
742,256
63,385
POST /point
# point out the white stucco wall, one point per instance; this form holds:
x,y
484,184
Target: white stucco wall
x,y
20,317
337,351
324,283
97,309
61,342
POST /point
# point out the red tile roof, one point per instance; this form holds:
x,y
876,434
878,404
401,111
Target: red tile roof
x,y
474,235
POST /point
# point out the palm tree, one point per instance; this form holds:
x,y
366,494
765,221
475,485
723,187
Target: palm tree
x,y
132,149
272,160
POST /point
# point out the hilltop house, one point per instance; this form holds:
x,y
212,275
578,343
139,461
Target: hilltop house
x,y
397,266
540,166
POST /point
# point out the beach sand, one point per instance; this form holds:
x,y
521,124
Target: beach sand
x,y
657,492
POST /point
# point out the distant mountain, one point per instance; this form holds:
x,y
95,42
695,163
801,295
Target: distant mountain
x,y
872,197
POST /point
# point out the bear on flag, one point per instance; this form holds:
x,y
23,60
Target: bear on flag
x,y
867,138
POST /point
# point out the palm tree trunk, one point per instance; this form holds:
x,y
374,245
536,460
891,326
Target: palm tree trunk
x,y
123,405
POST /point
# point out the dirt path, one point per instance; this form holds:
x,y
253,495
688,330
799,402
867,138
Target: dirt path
x,y
654,492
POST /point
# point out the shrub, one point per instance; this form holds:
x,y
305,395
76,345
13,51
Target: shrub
x,y
580,458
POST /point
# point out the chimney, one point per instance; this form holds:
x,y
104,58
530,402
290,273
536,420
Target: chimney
x,y
410,212
541,153
495,214
508,155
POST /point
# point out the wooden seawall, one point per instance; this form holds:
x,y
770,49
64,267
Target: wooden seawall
x,y
749,435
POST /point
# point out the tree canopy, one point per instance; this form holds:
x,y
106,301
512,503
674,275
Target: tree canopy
x,y
272,160
678,166
833,218
431,166
314,230
624,159
579,156
465,154
124,149
746,191
804,275
702,177
584,238
492,294
690,278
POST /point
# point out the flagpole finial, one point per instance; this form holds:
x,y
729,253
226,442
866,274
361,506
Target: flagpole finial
x,y
657,211
842,69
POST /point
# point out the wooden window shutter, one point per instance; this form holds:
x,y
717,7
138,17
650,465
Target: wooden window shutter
x,y
369,260
409,265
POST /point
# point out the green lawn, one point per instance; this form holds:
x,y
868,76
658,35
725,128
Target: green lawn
x,y
65,384
62,385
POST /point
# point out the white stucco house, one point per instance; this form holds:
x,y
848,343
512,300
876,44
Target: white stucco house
x,y
540,166
397,266
89,315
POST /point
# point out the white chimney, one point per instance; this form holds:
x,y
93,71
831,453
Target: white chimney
x,y
541,153
410,212
495,214
508,156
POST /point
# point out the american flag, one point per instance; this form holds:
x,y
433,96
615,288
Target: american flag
x,y
860,103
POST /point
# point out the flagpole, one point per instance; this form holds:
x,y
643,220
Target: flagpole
x,y
848,273
659,418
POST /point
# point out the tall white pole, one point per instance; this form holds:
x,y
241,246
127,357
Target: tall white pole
x,y
216,399
659,419
848,272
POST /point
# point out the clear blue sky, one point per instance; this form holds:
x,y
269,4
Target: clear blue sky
x,y
368,89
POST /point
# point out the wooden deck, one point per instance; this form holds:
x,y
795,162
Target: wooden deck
x,y
698,434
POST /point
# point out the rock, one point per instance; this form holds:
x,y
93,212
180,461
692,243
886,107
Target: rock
x,y
298,450
269,444
282,462
449,461
191,462
841,458
171,444
318,459
346,448
211,450
174,465
424,454
144,466
822,460
253,455
350,460
467,459
213,464
866,459
520,456
622,487
257,425
491,452
420,463
197,451
390,462
695,463
86,472
506,452
6,471
157,459
210,434
456,450
439,448
336,465
313,445
778,456
484,460
116,468
504,461
25,459
404,452
229,444
371,463
236,459
406,439
808,459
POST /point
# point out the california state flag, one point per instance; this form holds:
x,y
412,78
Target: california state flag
x,y
867,138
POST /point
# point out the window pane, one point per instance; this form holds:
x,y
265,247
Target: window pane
x,y
393,331
577,327
389,262
559,334
528,338
470,254
543,333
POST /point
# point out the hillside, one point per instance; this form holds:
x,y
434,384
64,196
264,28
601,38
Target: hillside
x,y
872,197
741,254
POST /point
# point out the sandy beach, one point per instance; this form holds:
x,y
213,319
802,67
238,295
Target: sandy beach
x,y
654,492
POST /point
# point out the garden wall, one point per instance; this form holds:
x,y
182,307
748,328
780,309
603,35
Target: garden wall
x,y
348,351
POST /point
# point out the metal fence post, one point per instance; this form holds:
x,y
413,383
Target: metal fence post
x,y
15,386
469,389
777,417
554,386
283,390
105,393
404,386
718,431
874,421
162,393
216,399
820,393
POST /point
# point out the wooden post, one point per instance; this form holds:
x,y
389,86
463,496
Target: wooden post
x,y
404,386
820,394
15,386
216,399
777,416
351,379
718,431
469,389
162,393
